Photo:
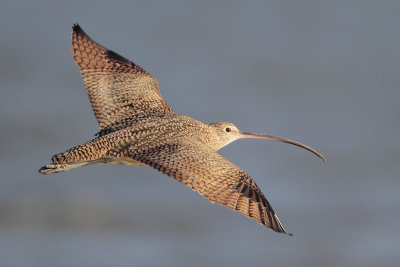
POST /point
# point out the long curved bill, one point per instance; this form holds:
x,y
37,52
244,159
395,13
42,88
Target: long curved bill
x,y
279,139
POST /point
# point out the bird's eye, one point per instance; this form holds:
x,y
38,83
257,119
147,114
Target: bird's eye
x,y
227,129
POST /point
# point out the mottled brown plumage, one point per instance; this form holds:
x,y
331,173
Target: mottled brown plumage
x,y
120,91
138,128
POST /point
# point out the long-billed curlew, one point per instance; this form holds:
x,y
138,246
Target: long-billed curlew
x,y
138,128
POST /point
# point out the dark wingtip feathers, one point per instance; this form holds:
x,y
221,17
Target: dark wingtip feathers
x,y
76,28
114,56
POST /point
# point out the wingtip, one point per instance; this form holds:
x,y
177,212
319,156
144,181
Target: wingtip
x,y
76,28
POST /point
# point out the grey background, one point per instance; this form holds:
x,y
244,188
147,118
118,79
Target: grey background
x,y
325,73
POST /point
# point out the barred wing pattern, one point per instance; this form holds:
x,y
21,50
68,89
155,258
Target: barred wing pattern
x,y
120,91
214,177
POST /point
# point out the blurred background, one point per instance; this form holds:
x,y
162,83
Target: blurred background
x,y
325,73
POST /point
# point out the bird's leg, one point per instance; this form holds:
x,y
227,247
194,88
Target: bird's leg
x,y
63,167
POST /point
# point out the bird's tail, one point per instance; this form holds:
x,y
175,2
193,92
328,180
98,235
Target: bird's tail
x,y
86,154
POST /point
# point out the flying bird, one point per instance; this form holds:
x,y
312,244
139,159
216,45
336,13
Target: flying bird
x,y
138,128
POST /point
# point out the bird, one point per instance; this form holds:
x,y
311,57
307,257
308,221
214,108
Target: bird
x,y
139,128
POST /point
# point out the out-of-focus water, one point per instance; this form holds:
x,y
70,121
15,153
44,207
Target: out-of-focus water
x,y
323,73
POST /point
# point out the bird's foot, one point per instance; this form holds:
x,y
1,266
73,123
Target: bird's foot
x,y
53,168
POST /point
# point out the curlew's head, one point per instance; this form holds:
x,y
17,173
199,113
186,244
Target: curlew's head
x,y
226,132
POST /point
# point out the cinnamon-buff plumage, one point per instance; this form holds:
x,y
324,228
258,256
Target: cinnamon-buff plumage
x,y
138,128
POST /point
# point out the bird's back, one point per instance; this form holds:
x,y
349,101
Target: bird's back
x,y
156,132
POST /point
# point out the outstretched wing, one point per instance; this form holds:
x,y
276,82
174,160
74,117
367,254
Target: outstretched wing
x,y
120,91
214,177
